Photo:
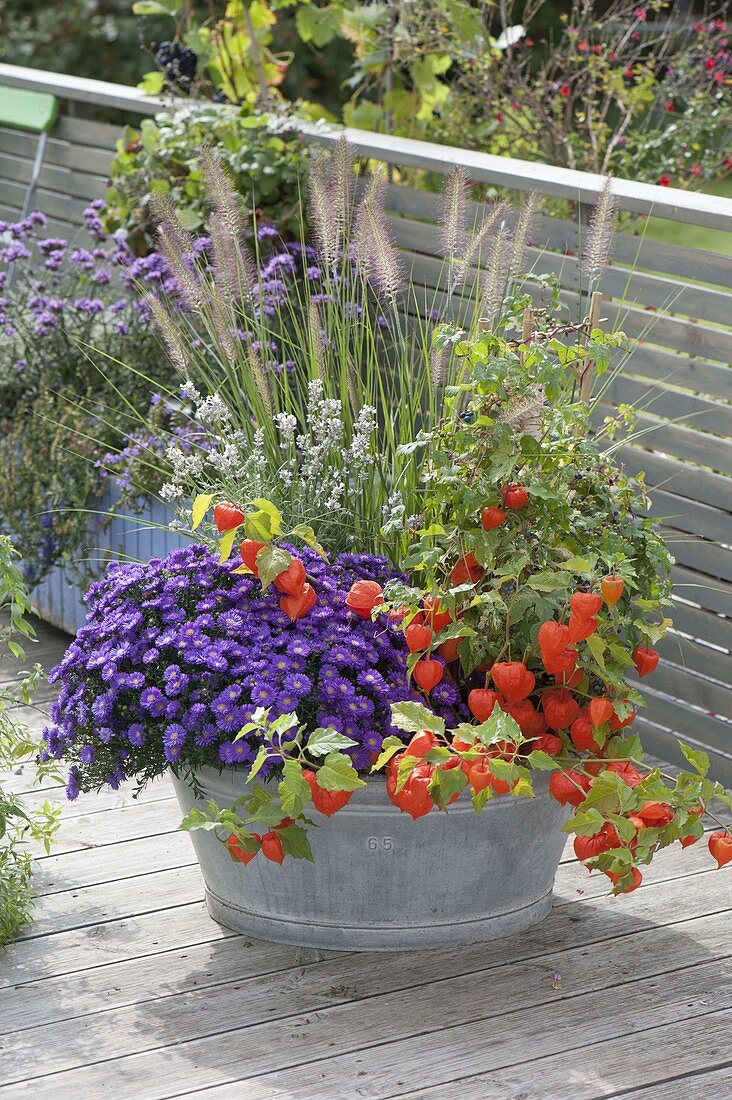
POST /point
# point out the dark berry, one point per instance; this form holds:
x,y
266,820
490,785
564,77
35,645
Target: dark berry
x,y
178,64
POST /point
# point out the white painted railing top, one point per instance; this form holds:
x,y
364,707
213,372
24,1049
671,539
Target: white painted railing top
x,y
691,207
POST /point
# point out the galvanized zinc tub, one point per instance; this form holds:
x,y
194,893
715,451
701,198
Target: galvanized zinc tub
x,y
382,882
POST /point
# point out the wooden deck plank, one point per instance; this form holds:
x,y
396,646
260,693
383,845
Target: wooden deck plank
x,y
130,821
603,922
95,954
611,1069
714,1084
365,1049
101,802
359,995
91,866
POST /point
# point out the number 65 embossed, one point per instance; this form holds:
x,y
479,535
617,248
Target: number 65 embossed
x,y
380,844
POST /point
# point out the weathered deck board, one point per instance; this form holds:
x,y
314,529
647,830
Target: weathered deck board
x,y
124,986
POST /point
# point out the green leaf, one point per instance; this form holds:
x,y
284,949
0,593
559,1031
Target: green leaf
x,y
325,740
155,7
267,813
625,748
226,544
503,769
479,798
498,727
337,773
201,505
295,842
699,760
585,823
152,83
294,790
390,747
549,581
247,843
318,25
542,761
438,755
578,565
522,788
197,819
620,654
609,794
596,647
259,760
271,561
268,509
305,532
445,784
405,768
189,218
414,717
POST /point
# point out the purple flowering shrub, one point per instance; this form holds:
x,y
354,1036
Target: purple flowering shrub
x,y
70,315
176,656
58,293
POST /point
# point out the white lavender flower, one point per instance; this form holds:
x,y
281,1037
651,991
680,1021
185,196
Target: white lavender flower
x,y
213,410
189,392
360,451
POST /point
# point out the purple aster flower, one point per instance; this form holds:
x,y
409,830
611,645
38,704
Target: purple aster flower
x,y
136,734
236,752
263,695
153,700
186,650
72,784
175,679
299,684
173,739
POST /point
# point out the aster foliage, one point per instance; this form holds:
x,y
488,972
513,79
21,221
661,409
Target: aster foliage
x,y
178,655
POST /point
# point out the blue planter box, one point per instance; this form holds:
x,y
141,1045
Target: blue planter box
x,y
58,598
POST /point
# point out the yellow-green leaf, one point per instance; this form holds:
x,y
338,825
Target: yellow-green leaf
x,y
226,544
201,505
274,514
305,532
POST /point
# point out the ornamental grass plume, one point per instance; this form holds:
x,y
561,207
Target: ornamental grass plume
x,y
340,312
260,330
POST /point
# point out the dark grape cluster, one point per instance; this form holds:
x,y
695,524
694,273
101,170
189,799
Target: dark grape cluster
x,y
178,64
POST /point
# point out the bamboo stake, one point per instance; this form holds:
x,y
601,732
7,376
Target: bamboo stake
x,y
587,373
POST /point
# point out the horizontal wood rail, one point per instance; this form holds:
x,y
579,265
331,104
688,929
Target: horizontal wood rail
x,y
690,207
